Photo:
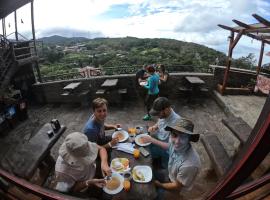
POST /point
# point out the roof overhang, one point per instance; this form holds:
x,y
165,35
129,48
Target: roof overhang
x,y
9,6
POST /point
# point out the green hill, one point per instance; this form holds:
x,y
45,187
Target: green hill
x,y
111,53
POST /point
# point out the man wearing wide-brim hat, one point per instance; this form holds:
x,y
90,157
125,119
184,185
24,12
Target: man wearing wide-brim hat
x,y
75,167
184,162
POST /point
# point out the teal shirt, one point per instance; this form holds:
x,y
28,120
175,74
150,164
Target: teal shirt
x,y
152,84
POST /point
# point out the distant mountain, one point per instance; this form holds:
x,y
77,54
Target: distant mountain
x,y
56,39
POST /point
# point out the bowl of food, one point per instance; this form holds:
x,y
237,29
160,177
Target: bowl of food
x,y
114,185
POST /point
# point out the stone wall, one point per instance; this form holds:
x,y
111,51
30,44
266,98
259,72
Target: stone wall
x,y
237,77
50,92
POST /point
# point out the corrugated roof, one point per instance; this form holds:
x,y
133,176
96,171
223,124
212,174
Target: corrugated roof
x,y
8,6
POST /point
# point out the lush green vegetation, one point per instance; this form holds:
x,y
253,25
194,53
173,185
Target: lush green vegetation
x,y
112,53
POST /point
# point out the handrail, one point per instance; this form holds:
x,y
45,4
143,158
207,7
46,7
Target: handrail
x,y
35,189
18,34
249,187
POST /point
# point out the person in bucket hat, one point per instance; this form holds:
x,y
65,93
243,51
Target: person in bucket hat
x,y
163,110
184,162
75,167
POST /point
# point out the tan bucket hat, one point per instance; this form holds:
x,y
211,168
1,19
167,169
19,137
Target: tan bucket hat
x,y
76,149
186,126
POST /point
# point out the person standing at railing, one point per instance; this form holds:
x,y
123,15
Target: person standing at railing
x,y
153,90
163,80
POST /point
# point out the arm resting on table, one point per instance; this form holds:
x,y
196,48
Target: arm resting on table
x,y
163,145
169,186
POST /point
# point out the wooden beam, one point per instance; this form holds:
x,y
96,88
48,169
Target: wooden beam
x,y
226,27
16,28
241,24
257,38
260,59
229,61
239,35
261,20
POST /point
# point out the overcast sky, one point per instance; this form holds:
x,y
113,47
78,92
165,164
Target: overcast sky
x,y
186,20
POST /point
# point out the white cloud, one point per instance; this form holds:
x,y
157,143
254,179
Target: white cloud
x,y
187,20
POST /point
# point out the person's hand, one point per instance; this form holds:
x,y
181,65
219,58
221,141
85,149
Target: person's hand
x,y
118,126
152,129
97,182
114,141
146,139
106,170
158,184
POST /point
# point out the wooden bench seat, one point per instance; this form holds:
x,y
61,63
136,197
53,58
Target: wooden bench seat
x,y
217,153
184,89
65,93
204,89
100,91
122,91
238,127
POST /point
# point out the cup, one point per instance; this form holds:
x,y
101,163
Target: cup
x,y
139,130
136,153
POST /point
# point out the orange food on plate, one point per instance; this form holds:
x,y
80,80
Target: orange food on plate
x,y
113,183
119,135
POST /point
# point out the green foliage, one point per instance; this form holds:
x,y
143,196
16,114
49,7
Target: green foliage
x,y
130,51
248,62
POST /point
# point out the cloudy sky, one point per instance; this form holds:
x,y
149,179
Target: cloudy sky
x,y
187,20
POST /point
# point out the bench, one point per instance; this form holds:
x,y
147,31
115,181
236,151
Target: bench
x,y
27,157
238,127
65,93
100,91
217,153
184,89
122,91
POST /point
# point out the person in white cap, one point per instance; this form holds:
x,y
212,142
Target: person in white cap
x,y
75,167
184,162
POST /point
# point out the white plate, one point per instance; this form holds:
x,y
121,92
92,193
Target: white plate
x,y
143,83
146,172
121,160
117,190
123,132
138,142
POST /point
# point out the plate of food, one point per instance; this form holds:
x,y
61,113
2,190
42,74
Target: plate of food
x,y
143,83
139,141
114,185
122,135
142,174
120,165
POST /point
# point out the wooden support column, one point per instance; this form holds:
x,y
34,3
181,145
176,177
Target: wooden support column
x,y
233,42
4,27
16,28
34,40
260,59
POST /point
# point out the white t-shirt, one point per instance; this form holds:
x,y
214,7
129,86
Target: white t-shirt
x,y
184,168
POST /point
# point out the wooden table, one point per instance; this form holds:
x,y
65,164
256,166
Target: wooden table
x,y
193,80
25,158
141,191
110,83
72,86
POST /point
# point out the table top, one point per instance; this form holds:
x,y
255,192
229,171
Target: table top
x,y
110,83
137,190
25,158
194,80
72,86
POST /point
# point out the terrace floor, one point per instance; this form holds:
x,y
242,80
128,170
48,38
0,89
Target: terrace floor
x,y
205,113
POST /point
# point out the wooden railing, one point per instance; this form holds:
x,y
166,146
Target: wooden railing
x,y
119,70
